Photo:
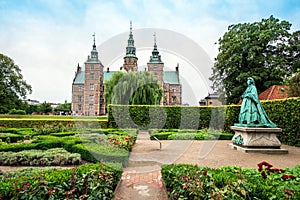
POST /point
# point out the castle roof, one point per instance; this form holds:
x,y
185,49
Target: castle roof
x,y
170,77
79,78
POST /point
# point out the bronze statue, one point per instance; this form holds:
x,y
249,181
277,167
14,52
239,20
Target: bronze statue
x,y
252,113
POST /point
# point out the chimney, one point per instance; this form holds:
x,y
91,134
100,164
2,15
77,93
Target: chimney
x,y
107,70
177,68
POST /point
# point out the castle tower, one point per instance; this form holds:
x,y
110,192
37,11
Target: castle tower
x,y
93,84
155,65
130,59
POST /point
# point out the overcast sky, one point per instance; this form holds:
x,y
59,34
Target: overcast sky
x,y
48,38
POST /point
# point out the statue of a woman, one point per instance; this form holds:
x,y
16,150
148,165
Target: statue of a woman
x,y
252,113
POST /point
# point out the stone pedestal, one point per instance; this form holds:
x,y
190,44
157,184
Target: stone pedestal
x,y
257,140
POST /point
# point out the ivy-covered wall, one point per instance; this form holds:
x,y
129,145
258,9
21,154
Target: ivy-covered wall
x,y
285,113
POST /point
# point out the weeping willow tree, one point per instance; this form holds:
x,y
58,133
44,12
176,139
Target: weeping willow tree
x,y
133,88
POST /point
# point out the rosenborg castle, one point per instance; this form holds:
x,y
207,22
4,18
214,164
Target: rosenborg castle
x,y
88,84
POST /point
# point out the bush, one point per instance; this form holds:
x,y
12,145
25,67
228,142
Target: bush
x,y
185,181
17,112
92,181
10,137
29,122
93,152
56,157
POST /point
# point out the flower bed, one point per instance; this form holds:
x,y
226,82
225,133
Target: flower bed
x,y
185,181
92,181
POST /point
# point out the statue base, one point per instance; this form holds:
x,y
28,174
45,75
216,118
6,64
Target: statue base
x,y
257,140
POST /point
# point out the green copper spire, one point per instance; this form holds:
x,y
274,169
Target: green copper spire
x,y
94,52
130,49
155,58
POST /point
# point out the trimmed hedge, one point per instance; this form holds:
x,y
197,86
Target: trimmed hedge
x,y
38,122
94,153
285,113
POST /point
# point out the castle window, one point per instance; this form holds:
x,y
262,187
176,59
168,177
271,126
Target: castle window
x,y
79,106
91,107
154,68
92,76
92,67
92,87
174,89
91,98
80,88
79,98
174,99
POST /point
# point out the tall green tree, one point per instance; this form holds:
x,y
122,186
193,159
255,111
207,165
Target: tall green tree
x,y
45,107
259,49
133,88
294,84
65,107
12,86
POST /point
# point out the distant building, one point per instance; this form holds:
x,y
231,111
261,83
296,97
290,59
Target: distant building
x,y
274,92
211,100
32,102
88,85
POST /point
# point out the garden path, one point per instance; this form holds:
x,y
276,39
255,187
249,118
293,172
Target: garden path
x,y
142,178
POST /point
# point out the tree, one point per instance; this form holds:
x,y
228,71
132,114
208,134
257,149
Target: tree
x,y
294,84
12,86
133,88
259,50
44,107
66,108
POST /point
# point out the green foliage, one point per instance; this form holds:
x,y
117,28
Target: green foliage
x,y
294,84
185,181
133,88
10,137
45,107
55,156
29,122
260,50
93,181
12,85
66,107
16,112
187,134
94,152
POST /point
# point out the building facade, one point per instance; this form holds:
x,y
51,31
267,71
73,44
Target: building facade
x,y
88,85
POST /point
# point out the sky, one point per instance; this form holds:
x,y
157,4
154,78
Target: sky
x,y
47,39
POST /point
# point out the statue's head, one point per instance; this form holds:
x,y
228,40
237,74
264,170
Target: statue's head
x,y
250,81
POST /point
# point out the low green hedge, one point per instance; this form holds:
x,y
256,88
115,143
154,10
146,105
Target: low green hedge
x,y
91,181
10,137
37,122
183,134
95,152
186,182
55,156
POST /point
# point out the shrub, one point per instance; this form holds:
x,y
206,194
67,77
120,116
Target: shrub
x,y
57,156
17,112
92,181
185,181
93,152
10,137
